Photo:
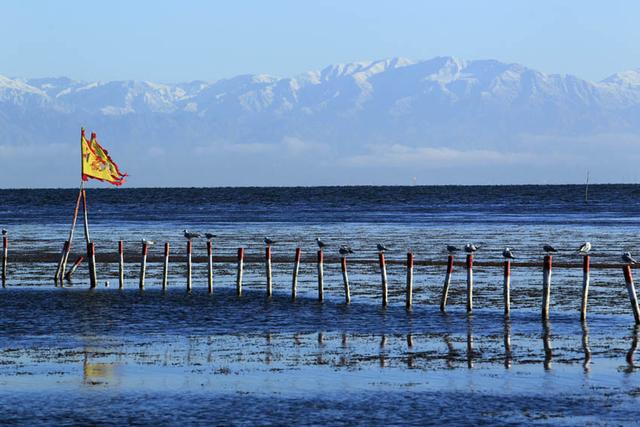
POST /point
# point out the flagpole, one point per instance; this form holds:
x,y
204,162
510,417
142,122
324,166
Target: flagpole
x,y
62,265
91,250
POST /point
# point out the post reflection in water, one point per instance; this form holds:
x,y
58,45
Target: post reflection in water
x,y
383,342
586,348
508,357
410,356
268,355
470,350
546,342
320,356
451,353
634,346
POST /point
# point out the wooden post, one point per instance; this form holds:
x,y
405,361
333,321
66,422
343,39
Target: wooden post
x,y
296,269
546,286
59,271
210,269
189,264
5,258
631,290
73,268
91,253
506,290
409,299
585,288
320,276
268,271
165,267
143,264
345,279
447,281
240,270
120,264
469,283
383,277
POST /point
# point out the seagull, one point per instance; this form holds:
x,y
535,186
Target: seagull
x,y
209,236
381,247
190,236
147,242
470,248
508,254
4,231
549,249
451,249
626,257
268,241
345,250
584,248
320,243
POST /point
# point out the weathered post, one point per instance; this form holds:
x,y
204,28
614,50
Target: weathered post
x,y
189,264
91,251
506,290
143,263
447,281
121,264
631,290
73,268
210,265
409,299
546,286
320,276
165,267
5,258
240,270
469,283
383,277
268,270
60,270
345,279
296,269
585,288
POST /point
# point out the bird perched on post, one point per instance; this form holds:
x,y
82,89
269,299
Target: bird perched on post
x,y
470,248
190,236
549,249
345,250
147,242
4,231
210,236
507,254
584,248
626,257
452,249
381,247
320,243
269,242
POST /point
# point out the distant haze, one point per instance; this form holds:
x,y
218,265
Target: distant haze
x,y
441,121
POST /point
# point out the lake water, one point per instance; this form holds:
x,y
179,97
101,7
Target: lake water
x,y
71,355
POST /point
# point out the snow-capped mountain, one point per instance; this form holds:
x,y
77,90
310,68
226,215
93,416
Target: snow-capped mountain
x,y
346,108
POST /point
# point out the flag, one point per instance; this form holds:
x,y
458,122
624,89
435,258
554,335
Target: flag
x,y
97,164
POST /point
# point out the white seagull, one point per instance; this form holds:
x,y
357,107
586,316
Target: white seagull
x,y
470,248
320,243
345,250
508,254
189,235
626,257
584,248
147,242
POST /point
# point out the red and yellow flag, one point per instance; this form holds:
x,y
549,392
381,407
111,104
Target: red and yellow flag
x,y
97,164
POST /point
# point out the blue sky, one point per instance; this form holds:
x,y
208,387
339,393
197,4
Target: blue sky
x,y
172,41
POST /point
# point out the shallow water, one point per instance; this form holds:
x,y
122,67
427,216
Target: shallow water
x,y
109,356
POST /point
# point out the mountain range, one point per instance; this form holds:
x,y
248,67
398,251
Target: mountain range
x,y
392,113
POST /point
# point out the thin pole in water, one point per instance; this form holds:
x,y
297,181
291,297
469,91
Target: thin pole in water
x,y
383,277
506,291
631,290
189,264
143,264
165,267
268,270
210,265
320,276
409,300
585,288
5,257
120,264
546,286
73,268
469,283
345,279
447,282
240,271
586,189
296,269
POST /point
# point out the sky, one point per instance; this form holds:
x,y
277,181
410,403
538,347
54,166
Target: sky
x,y
174,41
